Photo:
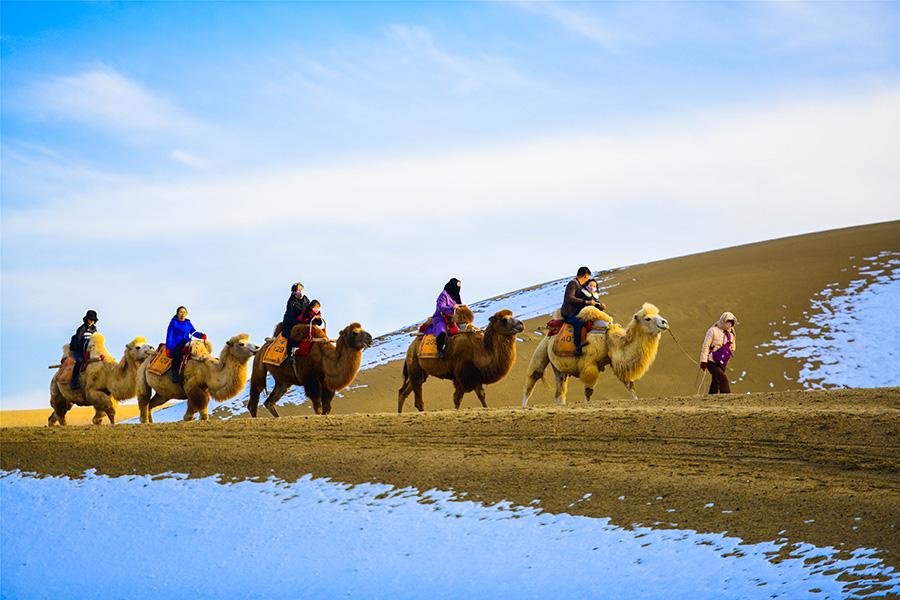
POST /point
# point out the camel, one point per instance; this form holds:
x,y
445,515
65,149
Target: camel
x,y
103,384
325,370
470,360
222,378
629,352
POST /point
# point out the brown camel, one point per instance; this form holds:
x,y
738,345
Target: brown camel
x,y
471,360
222,378
103,383
325,370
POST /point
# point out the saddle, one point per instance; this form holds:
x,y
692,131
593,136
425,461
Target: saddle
x,y
564,333
428,346
276,352
66,370
160,363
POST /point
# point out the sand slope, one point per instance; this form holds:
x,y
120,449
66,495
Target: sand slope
x,y
768,285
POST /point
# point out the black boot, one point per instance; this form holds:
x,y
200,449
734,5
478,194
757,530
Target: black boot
x,y
75,384
441,341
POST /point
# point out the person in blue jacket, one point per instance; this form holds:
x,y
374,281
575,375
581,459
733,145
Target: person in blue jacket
x,y
180,332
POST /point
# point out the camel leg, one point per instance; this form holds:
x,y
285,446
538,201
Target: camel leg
x,y
629,385
60,407
589,376
458,394
257,383
562,387
479,391
327,397
403,393
530,381
418,396
279,390
313,390
100,402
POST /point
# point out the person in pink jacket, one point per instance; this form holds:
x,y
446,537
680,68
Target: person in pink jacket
x,y
718,346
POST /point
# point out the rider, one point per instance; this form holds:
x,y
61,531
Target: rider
x,y
177,337
312,314
296,304
79,343
591,291
574,301
446,304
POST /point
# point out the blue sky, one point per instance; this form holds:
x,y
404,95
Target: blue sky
x,y
209,154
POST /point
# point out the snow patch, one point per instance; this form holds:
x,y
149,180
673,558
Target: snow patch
x,y
852,334
172,536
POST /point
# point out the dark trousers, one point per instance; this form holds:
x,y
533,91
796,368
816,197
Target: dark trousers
x,y
719,383
575,322
78,354
176,359
76,372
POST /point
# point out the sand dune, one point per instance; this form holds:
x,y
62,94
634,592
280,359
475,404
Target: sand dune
x,y
769,285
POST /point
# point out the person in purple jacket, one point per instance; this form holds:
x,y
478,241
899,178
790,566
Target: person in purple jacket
x,y
443,314
179,334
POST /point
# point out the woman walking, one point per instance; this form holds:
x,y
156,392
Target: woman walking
x,y
718,346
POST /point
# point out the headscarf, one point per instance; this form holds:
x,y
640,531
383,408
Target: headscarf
x,y
726,316
453,286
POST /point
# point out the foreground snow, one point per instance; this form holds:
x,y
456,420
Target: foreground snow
x,y
169,536
525,304
852,334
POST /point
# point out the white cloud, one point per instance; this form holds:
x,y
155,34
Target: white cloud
x,y
814,152
105,99
188,159
581,24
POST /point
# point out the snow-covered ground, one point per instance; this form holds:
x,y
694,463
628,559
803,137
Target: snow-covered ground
x,y
174,537
525,304
851,334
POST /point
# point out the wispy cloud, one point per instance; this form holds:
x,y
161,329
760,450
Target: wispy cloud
x,y
471,72
105,99
860,26
188,159
581,23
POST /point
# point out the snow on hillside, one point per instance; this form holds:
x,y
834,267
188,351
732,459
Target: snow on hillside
x,y
525,304
315,538
850,336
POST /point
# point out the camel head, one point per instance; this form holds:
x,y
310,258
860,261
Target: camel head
x,y
138,349
240,347
355,336
650,320
505,323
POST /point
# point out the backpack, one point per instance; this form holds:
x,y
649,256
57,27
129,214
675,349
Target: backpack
x,y
722,354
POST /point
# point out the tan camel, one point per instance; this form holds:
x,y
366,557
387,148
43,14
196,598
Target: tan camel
x,y
103,383
629,352
325,370
222,378
470,361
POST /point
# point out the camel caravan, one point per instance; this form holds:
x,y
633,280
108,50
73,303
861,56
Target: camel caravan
x,y
582,341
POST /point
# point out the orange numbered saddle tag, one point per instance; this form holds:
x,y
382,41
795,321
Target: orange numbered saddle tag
x,y
276,352
564,341
65,371
160,363
428,347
